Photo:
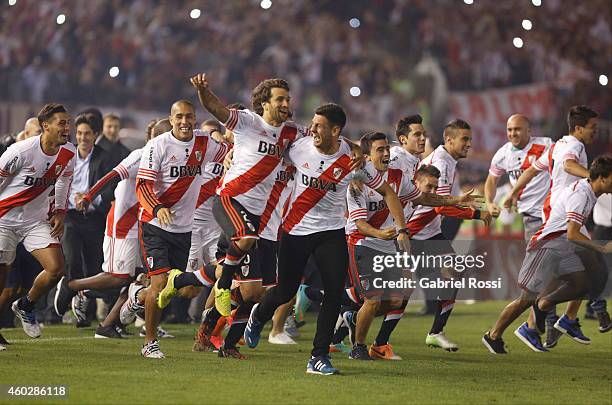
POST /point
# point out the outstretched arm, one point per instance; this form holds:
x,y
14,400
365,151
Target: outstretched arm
x,y
208,99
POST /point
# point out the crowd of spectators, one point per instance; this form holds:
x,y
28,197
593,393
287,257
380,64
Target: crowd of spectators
x,y
405,55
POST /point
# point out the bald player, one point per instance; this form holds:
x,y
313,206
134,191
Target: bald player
x,y
32,127
514,158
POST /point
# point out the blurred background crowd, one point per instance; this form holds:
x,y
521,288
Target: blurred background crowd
x,y
403,56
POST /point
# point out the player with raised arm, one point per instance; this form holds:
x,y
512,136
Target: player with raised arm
x,y
552,255
314,225
28,170
260,139
167,185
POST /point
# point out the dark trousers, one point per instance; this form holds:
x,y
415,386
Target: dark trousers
x,y
331,257
82,244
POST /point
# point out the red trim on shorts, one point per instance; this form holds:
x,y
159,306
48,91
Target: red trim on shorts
x,y
124,276
159,271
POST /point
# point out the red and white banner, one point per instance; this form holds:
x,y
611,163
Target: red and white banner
x,y
487,111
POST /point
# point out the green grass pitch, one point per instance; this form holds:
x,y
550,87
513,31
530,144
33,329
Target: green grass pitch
x,y
112,371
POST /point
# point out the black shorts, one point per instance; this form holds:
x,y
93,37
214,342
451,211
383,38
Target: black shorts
x,y
435,246
368,282
235,220
24,270
259,264
163,251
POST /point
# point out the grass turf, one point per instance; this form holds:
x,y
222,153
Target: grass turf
x,y
112,371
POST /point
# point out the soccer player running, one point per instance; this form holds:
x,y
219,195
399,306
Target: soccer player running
x,y
371,233
28,170
260,139
167,185
566,162
514,158
314,224
121,246
552,255
425,224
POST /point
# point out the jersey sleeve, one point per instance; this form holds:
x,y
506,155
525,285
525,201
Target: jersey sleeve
x,y
238,120
445,183
356,204
62,186
541,164
215,151
369,175
498,163
10,162
150,163
128,167
573,152
577,209
148,168
408,191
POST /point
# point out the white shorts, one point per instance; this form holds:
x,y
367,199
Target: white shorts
x,y
204,237
121,256
540,266
35,236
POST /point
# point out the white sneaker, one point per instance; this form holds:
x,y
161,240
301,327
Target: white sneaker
x,y
281,339
151,350
2,347
441,341
28,321
127,314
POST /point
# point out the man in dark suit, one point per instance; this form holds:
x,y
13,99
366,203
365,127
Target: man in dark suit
x,y
84,232
109,140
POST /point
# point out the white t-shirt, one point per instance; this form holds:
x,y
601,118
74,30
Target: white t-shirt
x,y
370,206
514,161
258,151
575,203
26,175
318,199
175,167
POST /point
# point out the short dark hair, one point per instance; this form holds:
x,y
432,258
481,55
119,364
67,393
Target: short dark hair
x,y
95,117
368,139
334,113
47,112
455,124
263,91
84,119
183,101
428,170
236,106
403,125
213,123
579,115
601,167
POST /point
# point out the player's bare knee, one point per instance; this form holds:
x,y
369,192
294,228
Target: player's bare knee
x,y
372,303
395,302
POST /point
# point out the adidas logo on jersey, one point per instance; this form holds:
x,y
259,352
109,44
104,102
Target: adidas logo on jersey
x,y
305,166
173,158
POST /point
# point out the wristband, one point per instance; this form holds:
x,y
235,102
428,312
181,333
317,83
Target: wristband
x,y
404,230
476,214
